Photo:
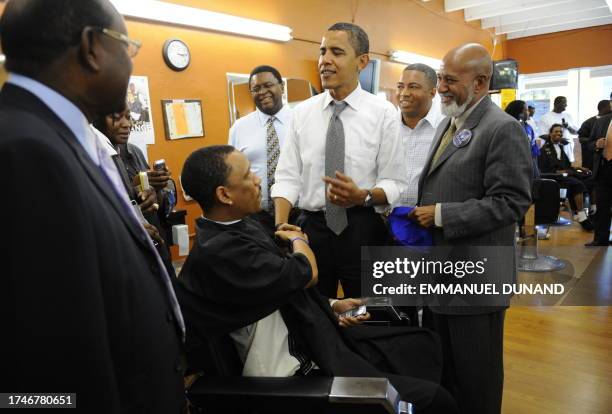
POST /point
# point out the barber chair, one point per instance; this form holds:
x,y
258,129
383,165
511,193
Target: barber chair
x,y
560,221
545,194
222,389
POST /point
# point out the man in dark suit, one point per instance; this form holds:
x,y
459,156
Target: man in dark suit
x,y
584,133
602,175
474,188
86,305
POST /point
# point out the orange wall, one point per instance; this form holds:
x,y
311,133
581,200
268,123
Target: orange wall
x,y
391,24
563,50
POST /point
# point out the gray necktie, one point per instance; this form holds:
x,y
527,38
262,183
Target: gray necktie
x,y
335,215
272,154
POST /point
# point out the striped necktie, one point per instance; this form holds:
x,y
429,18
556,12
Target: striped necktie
x,y
272,154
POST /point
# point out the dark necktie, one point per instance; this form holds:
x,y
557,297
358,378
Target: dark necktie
x,y
272,152
335,216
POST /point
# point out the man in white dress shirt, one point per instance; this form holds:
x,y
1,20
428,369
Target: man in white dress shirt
x,y
559,116
419,120
261,134
342,158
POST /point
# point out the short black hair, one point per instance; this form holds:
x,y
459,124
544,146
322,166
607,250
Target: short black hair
x,y
515,108
205,170
430,74
34,33
357,36
604,103
266,68
530,106
558,99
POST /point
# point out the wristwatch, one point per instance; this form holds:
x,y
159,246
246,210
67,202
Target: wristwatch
x,y
369,200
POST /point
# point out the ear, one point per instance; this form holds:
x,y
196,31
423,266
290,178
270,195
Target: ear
x,y
223,195
90,50
482,82
362,61
432,92
282,86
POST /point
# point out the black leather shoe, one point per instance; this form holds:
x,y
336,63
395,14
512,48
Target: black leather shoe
x,y
596,244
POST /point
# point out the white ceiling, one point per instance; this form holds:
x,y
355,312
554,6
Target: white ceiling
x,y
522,18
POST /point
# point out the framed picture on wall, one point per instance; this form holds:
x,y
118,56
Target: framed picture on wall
x,y
183,118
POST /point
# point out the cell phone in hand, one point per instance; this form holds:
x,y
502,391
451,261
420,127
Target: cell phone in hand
x,y
360,310
159,165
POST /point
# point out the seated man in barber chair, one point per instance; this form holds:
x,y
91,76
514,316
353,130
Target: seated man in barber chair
x,y
577,181
238,282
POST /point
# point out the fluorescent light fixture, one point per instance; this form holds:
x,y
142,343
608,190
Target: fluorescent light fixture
x,y
160,11
401,56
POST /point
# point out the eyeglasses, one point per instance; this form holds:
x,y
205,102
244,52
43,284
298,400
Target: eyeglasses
x,y
132,45
263,88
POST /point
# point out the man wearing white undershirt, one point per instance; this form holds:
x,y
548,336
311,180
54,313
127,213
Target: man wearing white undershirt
x,y
559,116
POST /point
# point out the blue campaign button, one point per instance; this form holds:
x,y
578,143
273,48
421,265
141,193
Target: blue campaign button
x,y
462,138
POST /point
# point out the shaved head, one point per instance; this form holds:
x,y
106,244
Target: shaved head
x,y
472,57
464,78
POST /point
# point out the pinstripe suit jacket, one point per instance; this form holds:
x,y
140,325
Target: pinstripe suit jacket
x,y
484,189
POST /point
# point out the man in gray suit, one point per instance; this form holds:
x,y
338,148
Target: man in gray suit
x,y
475,187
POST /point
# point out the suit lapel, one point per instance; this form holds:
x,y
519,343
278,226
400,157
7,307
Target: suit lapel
x,y
15,96
470,123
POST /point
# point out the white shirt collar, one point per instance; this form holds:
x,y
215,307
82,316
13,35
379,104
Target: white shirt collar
x,y
282,115
353,99
431,118
223,223
66,111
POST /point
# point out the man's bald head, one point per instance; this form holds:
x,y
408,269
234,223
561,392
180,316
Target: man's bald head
x,y
464,78
472,57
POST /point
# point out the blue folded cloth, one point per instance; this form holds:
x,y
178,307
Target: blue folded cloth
x,y
405,231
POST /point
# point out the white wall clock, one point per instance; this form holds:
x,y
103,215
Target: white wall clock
x,y
176,54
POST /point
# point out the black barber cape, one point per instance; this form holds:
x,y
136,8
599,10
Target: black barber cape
x,y
236,275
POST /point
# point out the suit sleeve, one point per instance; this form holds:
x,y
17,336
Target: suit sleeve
x,y
54,319
507,187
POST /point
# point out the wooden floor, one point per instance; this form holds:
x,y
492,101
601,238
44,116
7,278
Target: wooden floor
x,y
558,359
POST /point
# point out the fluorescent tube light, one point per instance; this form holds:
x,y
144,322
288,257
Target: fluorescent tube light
x,y
160,11
401,56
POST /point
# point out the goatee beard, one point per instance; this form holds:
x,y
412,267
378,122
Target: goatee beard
x,y
453,110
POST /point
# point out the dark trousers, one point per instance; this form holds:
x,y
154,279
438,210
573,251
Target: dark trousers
x,y
339,257
472,348
603,189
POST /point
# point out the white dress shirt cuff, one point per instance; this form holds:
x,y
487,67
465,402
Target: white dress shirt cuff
x,y
438,215
391,192
286,191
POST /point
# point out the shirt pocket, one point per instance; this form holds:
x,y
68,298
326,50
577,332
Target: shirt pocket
x,y
361,165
